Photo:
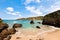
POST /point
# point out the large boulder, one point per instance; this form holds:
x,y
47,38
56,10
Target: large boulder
x,y
7,32
31,22
52,19
3,26
17,25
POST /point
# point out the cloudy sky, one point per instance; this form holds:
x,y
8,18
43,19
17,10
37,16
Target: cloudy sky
x,y
13,9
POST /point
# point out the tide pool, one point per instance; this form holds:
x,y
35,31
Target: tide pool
x,y
25,23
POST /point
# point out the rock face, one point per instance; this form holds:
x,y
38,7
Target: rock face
x,y
31,22
3,26
6,32
0,20
11,31
52,19
17,25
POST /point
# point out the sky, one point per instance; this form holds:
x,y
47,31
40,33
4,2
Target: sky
x,y
13,9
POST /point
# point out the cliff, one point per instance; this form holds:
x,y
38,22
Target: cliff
x,y
52,19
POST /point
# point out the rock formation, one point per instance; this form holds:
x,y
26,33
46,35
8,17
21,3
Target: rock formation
x,y
5,31
52,19
0,20
3,26
31,22
17,25
38,27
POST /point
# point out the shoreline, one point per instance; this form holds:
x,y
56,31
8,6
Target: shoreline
x,y
33,34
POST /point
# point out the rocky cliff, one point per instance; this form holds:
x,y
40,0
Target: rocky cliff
x,y
52,18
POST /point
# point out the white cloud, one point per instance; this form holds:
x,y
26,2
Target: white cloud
x,y
10,10
29,1
38,1
34,10
54,7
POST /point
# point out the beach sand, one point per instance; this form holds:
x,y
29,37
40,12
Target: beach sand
x,y
36,34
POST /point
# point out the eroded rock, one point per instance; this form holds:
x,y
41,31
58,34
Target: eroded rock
x,y
17,25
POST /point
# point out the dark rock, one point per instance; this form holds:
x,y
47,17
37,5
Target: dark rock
x,y
1,38
4,33
17,25
7,32
0,20
38,27
11,31
31,22
39,22
3,26
52,19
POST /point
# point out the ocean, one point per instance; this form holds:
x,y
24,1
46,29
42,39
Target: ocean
x,y
25,23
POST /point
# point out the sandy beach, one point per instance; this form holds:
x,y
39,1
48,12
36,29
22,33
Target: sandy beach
x,y
36,34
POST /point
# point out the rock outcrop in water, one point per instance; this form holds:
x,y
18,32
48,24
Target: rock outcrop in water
x,y
31,22
52,19
17,25
38,27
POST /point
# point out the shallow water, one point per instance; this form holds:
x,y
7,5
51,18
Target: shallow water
x,y
25,23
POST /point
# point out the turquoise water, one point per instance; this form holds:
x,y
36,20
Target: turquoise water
x,y
25,23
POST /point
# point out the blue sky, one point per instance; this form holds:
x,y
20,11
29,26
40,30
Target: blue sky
x,y
13,9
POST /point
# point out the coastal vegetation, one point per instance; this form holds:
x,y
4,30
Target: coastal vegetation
x,y
32,18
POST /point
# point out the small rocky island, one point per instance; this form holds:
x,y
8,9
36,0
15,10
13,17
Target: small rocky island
x,y
52,19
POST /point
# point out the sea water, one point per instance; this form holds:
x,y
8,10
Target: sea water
x,y
25,23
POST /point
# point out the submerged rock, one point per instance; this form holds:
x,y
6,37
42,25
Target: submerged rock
x,y
52,19
31,22
17,25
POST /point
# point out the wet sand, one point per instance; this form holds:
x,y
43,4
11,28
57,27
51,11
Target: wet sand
x,y
36,34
